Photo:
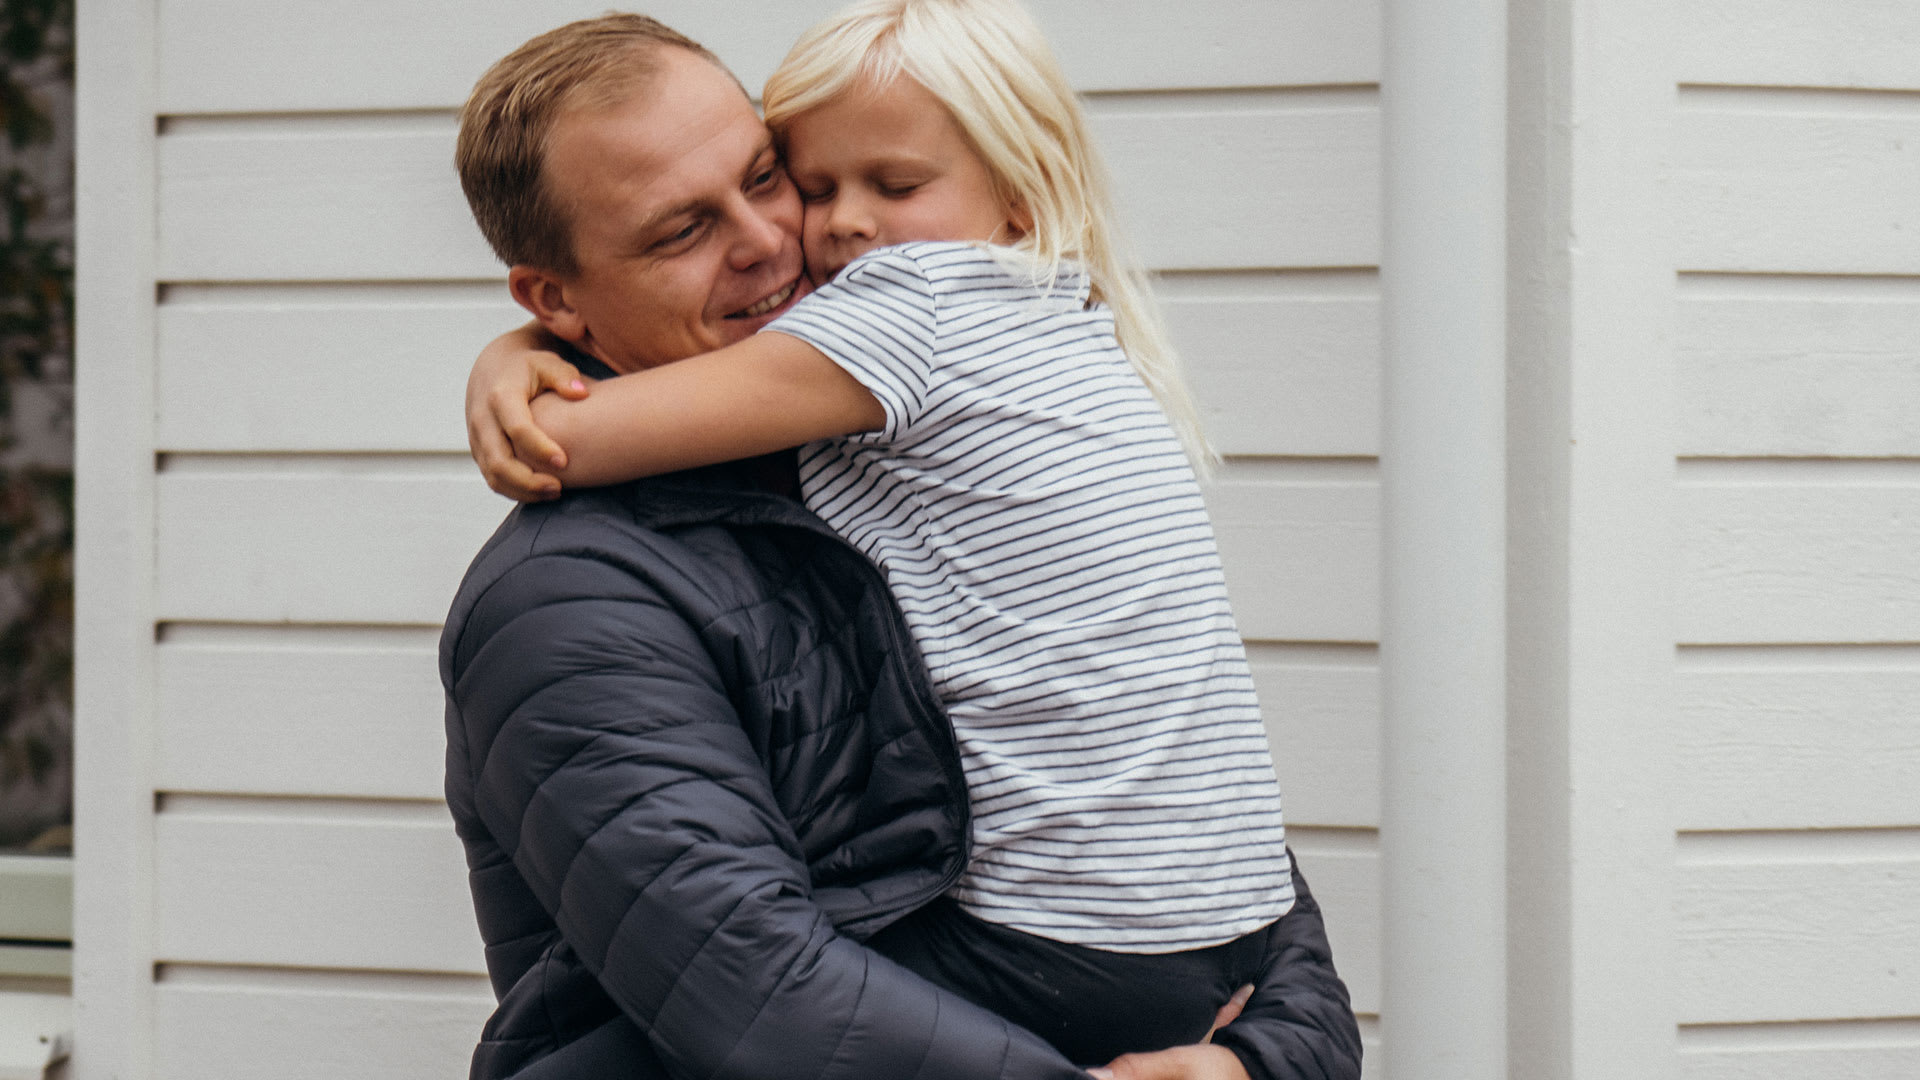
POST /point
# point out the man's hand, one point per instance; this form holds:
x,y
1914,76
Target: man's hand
x,y
506,444
1199,1062
1229,1012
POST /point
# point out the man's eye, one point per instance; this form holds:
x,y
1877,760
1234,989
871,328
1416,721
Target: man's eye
x,y
766,179
678,236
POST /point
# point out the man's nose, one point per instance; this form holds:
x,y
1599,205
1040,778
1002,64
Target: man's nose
x,y
758,237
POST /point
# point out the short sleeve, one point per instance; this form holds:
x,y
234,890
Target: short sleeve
x,y
878,321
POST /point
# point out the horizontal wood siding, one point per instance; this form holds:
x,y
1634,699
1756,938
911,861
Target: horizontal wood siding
x,y
1813,1051
278,883
1304,345
222,56
1796,187
1792,927
236,1025
1855,44
1302,554
1793,184
336,541
259,710
1322,706
322,368
1798,366
1823,738
1788,556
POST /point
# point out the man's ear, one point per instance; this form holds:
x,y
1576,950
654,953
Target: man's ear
x,y
544,296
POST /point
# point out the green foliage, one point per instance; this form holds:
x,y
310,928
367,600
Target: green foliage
x,y
36,331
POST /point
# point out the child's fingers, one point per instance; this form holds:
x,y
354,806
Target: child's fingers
x,y
550,372
511,477
503,472
512,416
521,484
533,446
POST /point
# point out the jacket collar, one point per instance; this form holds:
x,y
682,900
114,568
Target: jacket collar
x,y
759,491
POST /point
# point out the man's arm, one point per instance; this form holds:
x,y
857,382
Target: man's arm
x,y
610,766
1299,1024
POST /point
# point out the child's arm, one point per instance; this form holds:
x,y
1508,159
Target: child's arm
x,y
506,444
766,393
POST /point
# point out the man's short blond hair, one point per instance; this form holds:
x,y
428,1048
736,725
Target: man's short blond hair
x,y
504,127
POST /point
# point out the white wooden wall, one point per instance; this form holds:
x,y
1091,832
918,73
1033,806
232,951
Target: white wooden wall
x,y
281,292
283,295
1796,723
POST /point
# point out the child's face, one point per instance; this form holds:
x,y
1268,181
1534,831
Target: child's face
x,y
885,167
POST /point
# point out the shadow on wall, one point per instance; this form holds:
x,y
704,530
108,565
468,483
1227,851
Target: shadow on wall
x,y
36,424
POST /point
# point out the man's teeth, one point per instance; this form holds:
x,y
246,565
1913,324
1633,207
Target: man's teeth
x,y
769,303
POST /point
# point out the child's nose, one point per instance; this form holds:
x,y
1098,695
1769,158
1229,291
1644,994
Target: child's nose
x,y
850,218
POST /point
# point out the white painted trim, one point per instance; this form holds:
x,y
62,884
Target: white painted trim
x,y
113,662
1591,542
1443,502
1619,595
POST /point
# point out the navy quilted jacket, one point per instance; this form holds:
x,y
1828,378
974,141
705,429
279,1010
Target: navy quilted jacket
x,y
693,758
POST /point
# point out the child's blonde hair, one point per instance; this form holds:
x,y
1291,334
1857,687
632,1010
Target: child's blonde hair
x,y
989,64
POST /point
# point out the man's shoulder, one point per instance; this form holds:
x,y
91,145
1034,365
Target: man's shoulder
x,y
586,525
674,541
584,521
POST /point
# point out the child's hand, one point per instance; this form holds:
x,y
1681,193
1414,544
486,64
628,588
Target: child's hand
x,y
509,448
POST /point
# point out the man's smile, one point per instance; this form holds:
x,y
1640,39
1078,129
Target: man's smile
x,y
769,304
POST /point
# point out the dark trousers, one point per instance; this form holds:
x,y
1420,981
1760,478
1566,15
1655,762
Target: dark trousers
x,y
1091,1004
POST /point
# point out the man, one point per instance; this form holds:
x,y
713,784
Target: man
x,y
692,753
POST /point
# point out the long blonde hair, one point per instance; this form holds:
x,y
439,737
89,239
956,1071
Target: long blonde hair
x,y
989,64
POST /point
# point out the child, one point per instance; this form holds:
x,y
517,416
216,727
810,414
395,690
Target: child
x,y
975,383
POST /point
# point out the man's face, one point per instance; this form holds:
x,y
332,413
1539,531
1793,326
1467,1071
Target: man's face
x,y
685,227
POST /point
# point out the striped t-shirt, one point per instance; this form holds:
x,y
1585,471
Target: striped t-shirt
x,y
1045,536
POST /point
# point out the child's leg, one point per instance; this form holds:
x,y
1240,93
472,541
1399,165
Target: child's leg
x,y
1091,1004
